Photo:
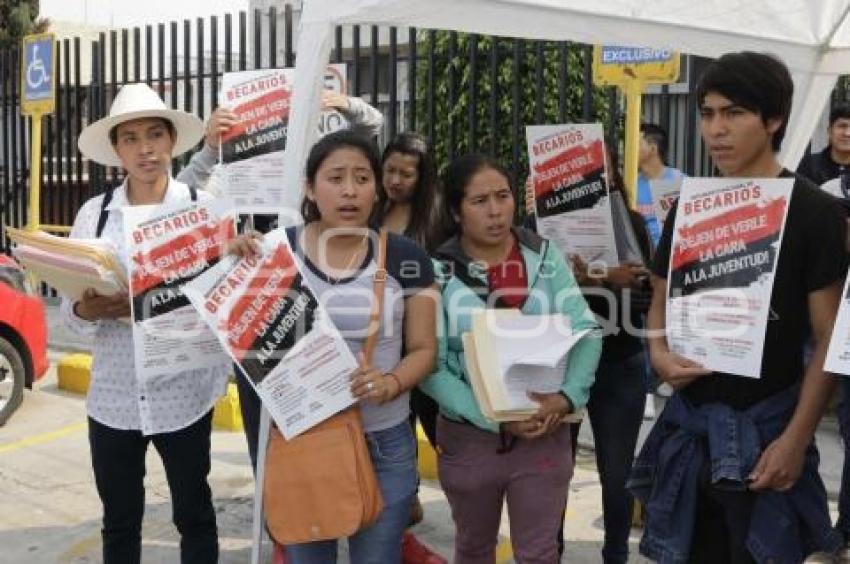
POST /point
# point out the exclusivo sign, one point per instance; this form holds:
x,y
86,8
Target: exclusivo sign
x,y
635,55
615,65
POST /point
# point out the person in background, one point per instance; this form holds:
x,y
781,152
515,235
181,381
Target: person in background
x,y
729,472
410,191
336,245
834,161
616,400
652,165
487,263
125,415
408,205
616,403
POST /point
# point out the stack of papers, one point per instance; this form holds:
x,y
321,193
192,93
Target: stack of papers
x,y
70,265
509,354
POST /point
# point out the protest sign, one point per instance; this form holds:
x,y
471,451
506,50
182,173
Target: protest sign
x,y
572,203
726,242
252,150
169,245
271,324
664,194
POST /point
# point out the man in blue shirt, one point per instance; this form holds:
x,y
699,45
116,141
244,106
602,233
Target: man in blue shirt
x,y
652,163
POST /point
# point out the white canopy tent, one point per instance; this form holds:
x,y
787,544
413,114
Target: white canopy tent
x,y
811,36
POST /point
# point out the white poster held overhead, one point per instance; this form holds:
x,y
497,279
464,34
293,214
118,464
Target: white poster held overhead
x,y
572,203
726,242
170,245
273,327
252,150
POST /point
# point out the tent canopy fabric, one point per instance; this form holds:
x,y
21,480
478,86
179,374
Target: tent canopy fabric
x,y
811,36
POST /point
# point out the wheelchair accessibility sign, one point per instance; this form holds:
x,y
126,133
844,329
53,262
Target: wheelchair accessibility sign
x,y
38,85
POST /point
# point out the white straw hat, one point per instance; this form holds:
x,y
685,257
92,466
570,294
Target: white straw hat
x,y
136,101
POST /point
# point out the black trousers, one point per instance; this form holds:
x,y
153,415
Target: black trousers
x,y
118,460
722,524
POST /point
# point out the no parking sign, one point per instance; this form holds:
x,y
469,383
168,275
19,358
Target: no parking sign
x,y
38,86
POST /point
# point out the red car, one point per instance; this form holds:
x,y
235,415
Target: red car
x,y
23,337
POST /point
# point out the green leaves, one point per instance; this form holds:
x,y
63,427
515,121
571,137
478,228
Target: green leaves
x,y
18,19
513,89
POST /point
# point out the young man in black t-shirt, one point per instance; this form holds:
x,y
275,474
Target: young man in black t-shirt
x,y
744,101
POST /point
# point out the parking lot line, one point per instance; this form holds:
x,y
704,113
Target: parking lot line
x,y
42,438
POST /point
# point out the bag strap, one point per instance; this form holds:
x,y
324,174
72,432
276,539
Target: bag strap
x,y
379,282
107,197
104,213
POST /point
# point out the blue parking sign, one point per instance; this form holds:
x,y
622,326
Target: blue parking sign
x,y
37,74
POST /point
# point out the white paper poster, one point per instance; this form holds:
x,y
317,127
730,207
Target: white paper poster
x,y
252,150
726,241
573,207
169,245
838,354
664,194
271,324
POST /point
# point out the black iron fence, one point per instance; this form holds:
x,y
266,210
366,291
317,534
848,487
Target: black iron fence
x,y
184,62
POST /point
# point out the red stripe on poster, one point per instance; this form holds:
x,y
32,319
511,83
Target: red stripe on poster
x,y
568,167
248,317
739,226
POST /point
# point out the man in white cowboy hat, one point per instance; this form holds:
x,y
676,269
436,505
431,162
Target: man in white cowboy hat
x,y
173,412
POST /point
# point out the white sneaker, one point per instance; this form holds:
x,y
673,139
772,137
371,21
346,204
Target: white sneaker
x,y
665,390
649,407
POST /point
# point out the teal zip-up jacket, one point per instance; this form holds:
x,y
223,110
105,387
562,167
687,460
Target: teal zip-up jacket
x,y
551,289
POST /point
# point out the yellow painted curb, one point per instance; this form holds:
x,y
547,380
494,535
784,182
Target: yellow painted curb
x,y
427,455
504,551
227,415
74,373
638,514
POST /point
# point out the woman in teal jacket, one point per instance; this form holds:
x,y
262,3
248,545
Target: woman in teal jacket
x,y
490,264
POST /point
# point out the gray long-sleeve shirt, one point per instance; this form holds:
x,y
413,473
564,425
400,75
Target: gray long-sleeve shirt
x,y
362,118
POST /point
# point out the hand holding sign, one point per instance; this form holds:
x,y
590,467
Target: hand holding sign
x,y
220,122
334,101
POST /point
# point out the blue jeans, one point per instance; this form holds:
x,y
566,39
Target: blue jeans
x,y
843,523
615,410
692,448
393,454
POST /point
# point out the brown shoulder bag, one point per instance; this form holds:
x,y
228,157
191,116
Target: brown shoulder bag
x,y
321,485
